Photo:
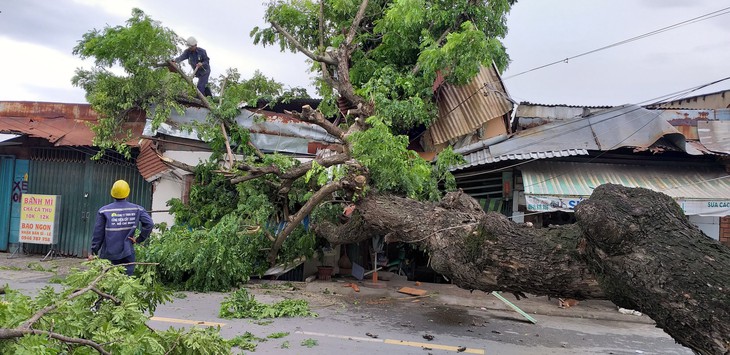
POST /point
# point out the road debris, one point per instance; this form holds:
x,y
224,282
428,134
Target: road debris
x,y
412,291
428,337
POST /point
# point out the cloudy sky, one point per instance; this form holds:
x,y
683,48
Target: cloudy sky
x,y
37,37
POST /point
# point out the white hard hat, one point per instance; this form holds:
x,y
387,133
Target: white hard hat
x,y
191,41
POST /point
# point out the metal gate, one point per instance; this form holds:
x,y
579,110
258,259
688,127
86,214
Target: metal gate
x,y
83,185
7,167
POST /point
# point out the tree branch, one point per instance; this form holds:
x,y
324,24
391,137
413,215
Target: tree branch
x,y
90,287
106,295
355,24
255,172
311,115
300,47
207,105
6,333
176,164
297,218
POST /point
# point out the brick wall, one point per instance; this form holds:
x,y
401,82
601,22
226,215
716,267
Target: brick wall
x,y
725,230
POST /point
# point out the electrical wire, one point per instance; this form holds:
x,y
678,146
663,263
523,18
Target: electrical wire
x,y
703,17
706,16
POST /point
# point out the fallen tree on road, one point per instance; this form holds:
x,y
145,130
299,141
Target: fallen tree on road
x,y
632,246
378,63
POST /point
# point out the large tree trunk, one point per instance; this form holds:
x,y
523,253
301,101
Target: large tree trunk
x,y
632,246
649,257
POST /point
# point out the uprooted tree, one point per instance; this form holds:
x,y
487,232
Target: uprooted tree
x,y
379,59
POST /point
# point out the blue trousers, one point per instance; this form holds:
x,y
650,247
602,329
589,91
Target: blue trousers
x,y
203,82
129,259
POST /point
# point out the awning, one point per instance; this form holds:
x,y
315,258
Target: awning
x,y
6,137
558,186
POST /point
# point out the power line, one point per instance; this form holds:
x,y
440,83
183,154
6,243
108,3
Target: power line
x,y
670,97
629,136
654,101
706,16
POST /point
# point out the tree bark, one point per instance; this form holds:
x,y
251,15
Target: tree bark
x,y
632,246
650,258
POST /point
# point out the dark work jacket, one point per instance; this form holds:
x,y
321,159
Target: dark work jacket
x,y
199,56
115,224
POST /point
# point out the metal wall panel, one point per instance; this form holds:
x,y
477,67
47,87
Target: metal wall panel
x,y
464,109
7,167
84,187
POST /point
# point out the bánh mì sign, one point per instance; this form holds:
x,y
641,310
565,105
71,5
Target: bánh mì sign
x,y
39,218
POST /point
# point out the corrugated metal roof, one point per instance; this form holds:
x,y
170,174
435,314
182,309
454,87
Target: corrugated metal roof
x,y
270,131
715,135
464,109
527,103
712,100
579,179
483,156
623,126
150,165
62,124
549,113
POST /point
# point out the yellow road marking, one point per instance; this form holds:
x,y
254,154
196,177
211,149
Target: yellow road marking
x,y
433,346
186,321
395,342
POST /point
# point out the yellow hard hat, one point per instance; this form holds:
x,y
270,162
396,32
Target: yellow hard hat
x,y
120,189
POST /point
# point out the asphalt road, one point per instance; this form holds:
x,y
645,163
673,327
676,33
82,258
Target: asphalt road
x,y
351,325
356,324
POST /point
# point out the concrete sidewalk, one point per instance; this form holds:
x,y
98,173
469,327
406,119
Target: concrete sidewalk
x,y
30,267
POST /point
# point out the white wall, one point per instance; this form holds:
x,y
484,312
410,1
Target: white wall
x,y
171,185
708,225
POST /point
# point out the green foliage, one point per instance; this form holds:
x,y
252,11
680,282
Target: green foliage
x,y
247,341
121,328
277,335
285,344
310,343
393,167
403,100
215,259
136,49
399,47
241,304
446,159
212,196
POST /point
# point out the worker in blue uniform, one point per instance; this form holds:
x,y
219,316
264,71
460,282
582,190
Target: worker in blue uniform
x,y
200,62
116,223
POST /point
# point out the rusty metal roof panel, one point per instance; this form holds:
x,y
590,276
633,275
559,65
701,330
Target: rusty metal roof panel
x,y
464,109
149,164
62,124
715,135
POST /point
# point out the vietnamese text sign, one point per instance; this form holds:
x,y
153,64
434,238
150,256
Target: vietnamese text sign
x,y
38,217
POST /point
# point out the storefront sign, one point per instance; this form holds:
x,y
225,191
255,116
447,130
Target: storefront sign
x,y
39,218
710,208
552,203
716,208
